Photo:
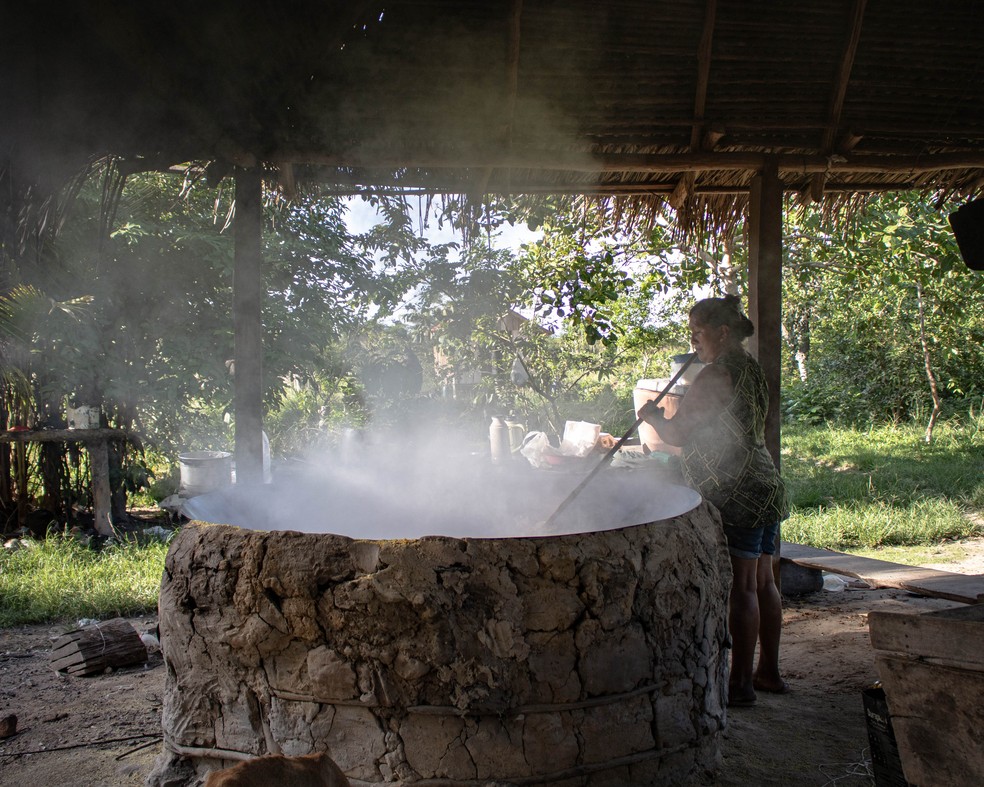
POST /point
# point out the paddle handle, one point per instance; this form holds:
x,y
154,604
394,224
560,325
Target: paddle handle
x,y
607,458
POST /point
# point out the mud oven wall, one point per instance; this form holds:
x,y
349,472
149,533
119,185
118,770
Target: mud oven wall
x,y
585,659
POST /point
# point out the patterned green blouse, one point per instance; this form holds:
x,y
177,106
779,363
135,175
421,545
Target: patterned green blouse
x,y
724,457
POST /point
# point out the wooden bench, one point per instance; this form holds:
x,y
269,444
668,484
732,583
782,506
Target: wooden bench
x,y
965,588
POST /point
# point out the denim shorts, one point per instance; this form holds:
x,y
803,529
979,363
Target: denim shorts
x,y
751,542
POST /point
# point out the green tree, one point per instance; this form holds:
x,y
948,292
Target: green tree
x,y
155,262
880,315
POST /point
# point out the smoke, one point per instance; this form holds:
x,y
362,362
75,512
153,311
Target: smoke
x,y
388,488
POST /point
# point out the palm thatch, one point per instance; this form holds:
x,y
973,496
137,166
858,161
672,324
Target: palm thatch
x,y
638,103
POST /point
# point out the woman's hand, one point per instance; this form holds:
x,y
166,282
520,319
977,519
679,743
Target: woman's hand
x,y
651,413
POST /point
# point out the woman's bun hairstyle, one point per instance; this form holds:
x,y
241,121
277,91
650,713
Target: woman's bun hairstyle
x,y
723,311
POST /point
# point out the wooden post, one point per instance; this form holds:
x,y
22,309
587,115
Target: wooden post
x,y
101,495
765,290
247,318
765,302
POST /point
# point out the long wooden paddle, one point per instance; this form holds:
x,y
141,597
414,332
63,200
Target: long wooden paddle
x,y
606,460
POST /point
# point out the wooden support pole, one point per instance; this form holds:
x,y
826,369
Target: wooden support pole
x,y
765,289
102,503
247,318
765,303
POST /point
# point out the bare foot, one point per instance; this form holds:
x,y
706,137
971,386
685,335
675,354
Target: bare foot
x,y
740,698
775,686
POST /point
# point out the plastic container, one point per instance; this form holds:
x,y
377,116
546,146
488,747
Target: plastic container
x,y
84,417
688,377
499,439
834,583
646,391
204,471
517,433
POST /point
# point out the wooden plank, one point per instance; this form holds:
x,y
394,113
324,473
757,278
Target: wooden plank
x,y
964,588
62,435
937,717
949,637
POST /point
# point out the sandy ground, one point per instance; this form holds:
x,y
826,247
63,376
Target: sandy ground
x,y
105,730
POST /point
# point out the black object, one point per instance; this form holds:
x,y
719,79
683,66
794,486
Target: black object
x,y
885,758
967,222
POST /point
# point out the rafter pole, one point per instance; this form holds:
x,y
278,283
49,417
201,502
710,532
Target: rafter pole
x,y
685,185
512,65
247,320
839,92
765,289
703,73
512,83
408,189
645,162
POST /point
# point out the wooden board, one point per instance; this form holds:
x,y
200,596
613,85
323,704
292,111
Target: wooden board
x,y
965,588
937,717
952,637
62,435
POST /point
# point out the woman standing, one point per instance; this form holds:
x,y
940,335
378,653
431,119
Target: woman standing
x,y
720,426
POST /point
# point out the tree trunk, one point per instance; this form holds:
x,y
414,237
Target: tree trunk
x,y
930,375
797,335
6,482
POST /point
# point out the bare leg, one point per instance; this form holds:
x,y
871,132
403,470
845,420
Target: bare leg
x,y
743,621
767,675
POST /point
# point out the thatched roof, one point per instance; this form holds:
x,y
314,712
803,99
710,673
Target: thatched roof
x,y
647,100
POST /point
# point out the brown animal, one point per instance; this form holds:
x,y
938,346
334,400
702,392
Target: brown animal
x,y
275,770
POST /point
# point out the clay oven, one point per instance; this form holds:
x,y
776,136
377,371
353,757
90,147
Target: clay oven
x,y
580,658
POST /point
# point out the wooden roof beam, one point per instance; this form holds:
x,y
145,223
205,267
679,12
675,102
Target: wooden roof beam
x,y
685,185
839,93
703,74
561,161
597,190
512,84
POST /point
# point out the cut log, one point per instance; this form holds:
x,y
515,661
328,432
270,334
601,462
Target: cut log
x,y
90,650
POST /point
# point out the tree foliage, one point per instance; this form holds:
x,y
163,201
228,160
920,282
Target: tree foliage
x,y
853,301
133,307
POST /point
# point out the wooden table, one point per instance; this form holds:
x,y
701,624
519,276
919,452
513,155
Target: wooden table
x,y
96,443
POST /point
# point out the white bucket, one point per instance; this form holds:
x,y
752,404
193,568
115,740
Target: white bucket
x,y
204,471
688,377
85,417
646,391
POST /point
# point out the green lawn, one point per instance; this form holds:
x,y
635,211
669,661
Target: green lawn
x,y
853,489
60,579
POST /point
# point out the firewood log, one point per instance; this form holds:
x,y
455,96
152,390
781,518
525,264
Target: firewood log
x,y
93,649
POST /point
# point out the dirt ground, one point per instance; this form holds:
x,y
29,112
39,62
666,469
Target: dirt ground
x,y
105,730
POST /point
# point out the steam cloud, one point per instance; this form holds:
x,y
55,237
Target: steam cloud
x,y
439,485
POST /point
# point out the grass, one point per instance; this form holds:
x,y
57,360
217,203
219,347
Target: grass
x,y
880,491
854,489
60,579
